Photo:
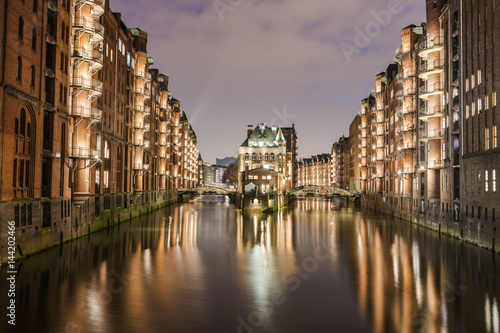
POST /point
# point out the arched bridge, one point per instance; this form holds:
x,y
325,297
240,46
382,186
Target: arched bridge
x,y
206,190
323,191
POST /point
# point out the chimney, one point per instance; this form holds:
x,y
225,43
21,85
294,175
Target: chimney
x,y
249,130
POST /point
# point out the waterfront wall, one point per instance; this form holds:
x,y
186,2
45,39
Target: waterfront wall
x,y
68,221
467,229
259,203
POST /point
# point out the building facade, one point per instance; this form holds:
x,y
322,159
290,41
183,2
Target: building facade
x,y
428,141
90,133
315,171
264,148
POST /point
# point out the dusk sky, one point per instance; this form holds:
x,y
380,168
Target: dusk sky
x,y
233,63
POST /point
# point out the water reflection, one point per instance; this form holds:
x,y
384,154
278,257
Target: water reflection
x,y
204,266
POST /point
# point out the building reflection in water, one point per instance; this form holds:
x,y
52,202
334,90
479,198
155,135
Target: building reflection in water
x,y
410,280
209,259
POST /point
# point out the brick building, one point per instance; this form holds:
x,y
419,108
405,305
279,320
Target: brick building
x,y
315,171
429,144
90,133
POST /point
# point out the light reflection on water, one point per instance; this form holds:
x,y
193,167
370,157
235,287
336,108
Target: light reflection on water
x,y
206,267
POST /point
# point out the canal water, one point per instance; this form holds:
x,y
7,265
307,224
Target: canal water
x,y
203,266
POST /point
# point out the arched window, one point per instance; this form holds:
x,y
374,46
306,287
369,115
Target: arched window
x,y
254,157
247,157
266,157
35,6
19,68
22,156
33,39
63,30
66,63
62,61
33,76
65,95
23,122
61,92
272,156
260,157
20,32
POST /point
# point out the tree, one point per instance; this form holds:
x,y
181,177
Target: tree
x,y
231,174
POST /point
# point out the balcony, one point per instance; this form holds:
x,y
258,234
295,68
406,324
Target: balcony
x,y
431,45
138,125
405,129
92,56
138,141
142,109
142,75
144,92
406,171
96,30
431,90
86,112
406,146
89,84
97,5
429,68
408,92
84,153
408,75
141,166
436,164
432,134
430,112
404,110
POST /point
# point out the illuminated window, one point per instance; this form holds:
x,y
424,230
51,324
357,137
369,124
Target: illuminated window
x,y
486,187
494,180
486,138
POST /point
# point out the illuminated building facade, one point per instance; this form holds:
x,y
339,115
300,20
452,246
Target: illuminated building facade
x,y
91,133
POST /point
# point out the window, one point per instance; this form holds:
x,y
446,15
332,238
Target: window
x,y
62,61
467,182
472,182
33,39
494,180
266,157
494,132
486,187
444,150
65,95
272,156
19,68
486,138
61,93
247,157
21,171
20,32
35,6
33,76
478,181
260,157
254,156
63,30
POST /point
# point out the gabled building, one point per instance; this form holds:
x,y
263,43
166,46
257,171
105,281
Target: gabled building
x,y
263,150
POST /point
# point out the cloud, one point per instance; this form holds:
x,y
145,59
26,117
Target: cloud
x,y
263,55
